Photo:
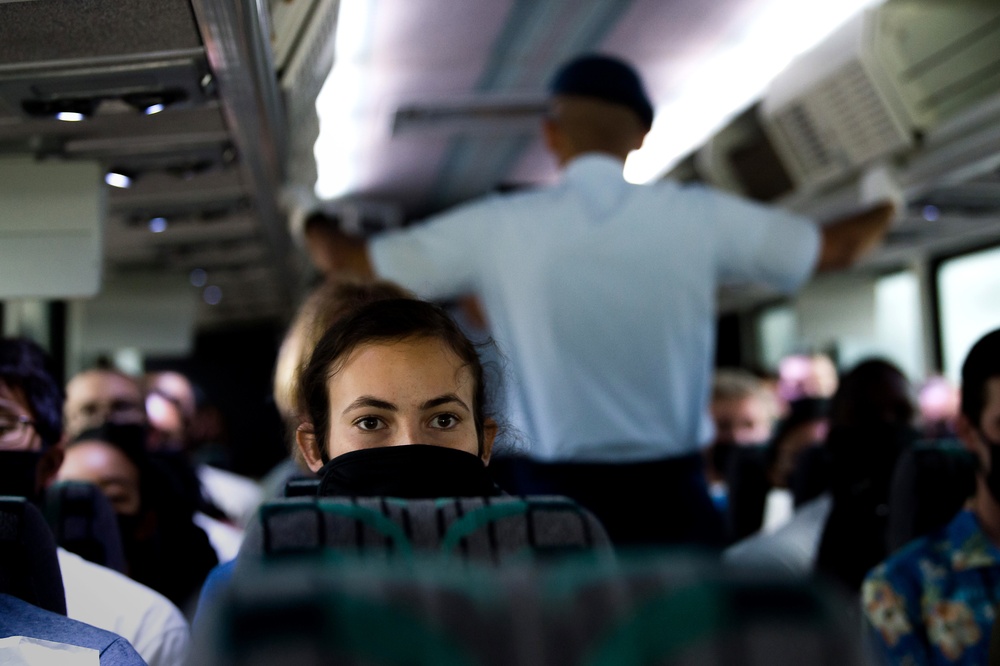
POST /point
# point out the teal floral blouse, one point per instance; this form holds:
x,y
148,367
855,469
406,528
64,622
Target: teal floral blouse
x,y
934,601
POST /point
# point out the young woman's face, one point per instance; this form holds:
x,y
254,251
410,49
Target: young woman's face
x,y
415,391
105,466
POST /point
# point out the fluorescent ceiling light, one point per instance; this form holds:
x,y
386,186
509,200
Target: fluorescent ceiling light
x,y
154,108
70,116
339,105
735,77
117,180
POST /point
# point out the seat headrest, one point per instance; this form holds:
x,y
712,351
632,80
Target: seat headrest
x,y
29,567
84,522
478,528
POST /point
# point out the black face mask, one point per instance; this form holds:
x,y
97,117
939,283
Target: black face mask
x,y
128,527
722,454
416,471
19,473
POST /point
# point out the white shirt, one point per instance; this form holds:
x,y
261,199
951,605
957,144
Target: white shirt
x,y
225,538
792,548
601,294
109,600
237,496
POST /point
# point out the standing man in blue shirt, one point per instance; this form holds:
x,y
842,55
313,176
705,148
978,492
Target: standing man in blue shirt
x,y
602,296
935,601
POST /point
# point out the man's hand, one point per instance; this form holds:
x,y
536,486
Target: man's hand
x,y
333,251
849,238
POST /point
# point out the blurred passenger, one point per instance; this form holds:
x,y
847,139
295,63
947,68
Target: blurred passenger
x,y
939,408
170,406
102,395
30,454
743,412
843,531
396,400
164,549
935,601
602,296
806,376
98,396
768,483
872,419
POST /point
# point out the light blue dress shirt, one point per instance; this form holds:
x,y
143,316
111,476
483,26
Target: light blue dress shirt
x,y
601,295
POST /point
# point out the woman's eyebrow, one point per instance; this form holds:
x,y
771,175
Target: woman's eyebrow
x,y
443,400
372,402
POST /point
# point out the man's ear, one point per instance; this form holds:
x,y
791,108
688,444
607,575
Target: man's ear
x,y
305,437
555,140
969,436
489,434
966,433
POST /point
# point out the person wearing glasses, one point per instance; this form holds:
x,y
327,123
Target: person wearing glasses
x,y
31,453
30,419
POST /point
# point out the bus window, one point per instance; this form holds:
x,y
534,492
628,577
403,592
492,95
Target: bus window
x,y
967,288
898,323
777,335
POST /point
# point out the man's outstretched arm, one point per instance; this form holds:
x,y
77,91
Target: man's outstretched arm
x,y
333,251
847,239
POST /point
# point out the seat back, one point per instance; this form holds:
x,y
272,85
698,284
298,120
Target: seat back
x,y
479,528
301,487
84,522
29,567
930,484
567,611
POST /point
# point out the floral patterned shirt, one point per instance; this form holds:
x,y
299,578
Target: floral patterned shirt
x,y
934,601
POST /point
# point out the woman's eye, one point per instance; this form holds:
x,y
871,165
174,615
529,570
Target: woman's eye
x,y
444,421
369,423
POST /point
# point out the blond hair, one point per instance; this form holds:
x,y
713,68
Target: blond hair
x,y
327,304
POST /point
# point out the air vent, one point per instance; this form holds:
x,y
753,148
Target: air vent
x,y
486,114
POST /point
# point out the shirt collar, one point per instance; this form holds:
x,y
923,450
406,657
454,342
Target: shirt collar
x,y
969,545
592,165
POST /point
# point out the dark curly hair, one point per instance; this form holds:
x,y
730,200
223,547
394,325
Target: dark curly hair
x,y
981,365
27,367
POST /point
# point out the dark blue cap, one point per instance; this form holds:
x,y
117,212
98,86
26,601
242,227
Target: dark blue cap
x,y
605,78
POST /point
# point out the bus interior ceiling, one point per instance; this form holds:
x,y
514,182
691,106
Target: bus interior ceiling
x,y
454,92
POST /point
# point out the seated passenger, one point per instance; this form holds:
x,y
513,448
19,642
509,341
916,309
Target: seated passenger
x,y
164,549
329,302
30,430
934,601
19,618
806,376
743,411
766,484
871,423
842,532
397,406
170,407
939,407
103,395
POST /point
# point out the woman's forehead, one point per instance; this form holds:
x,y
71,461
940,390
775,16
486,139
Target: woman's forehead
x,y
412,361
